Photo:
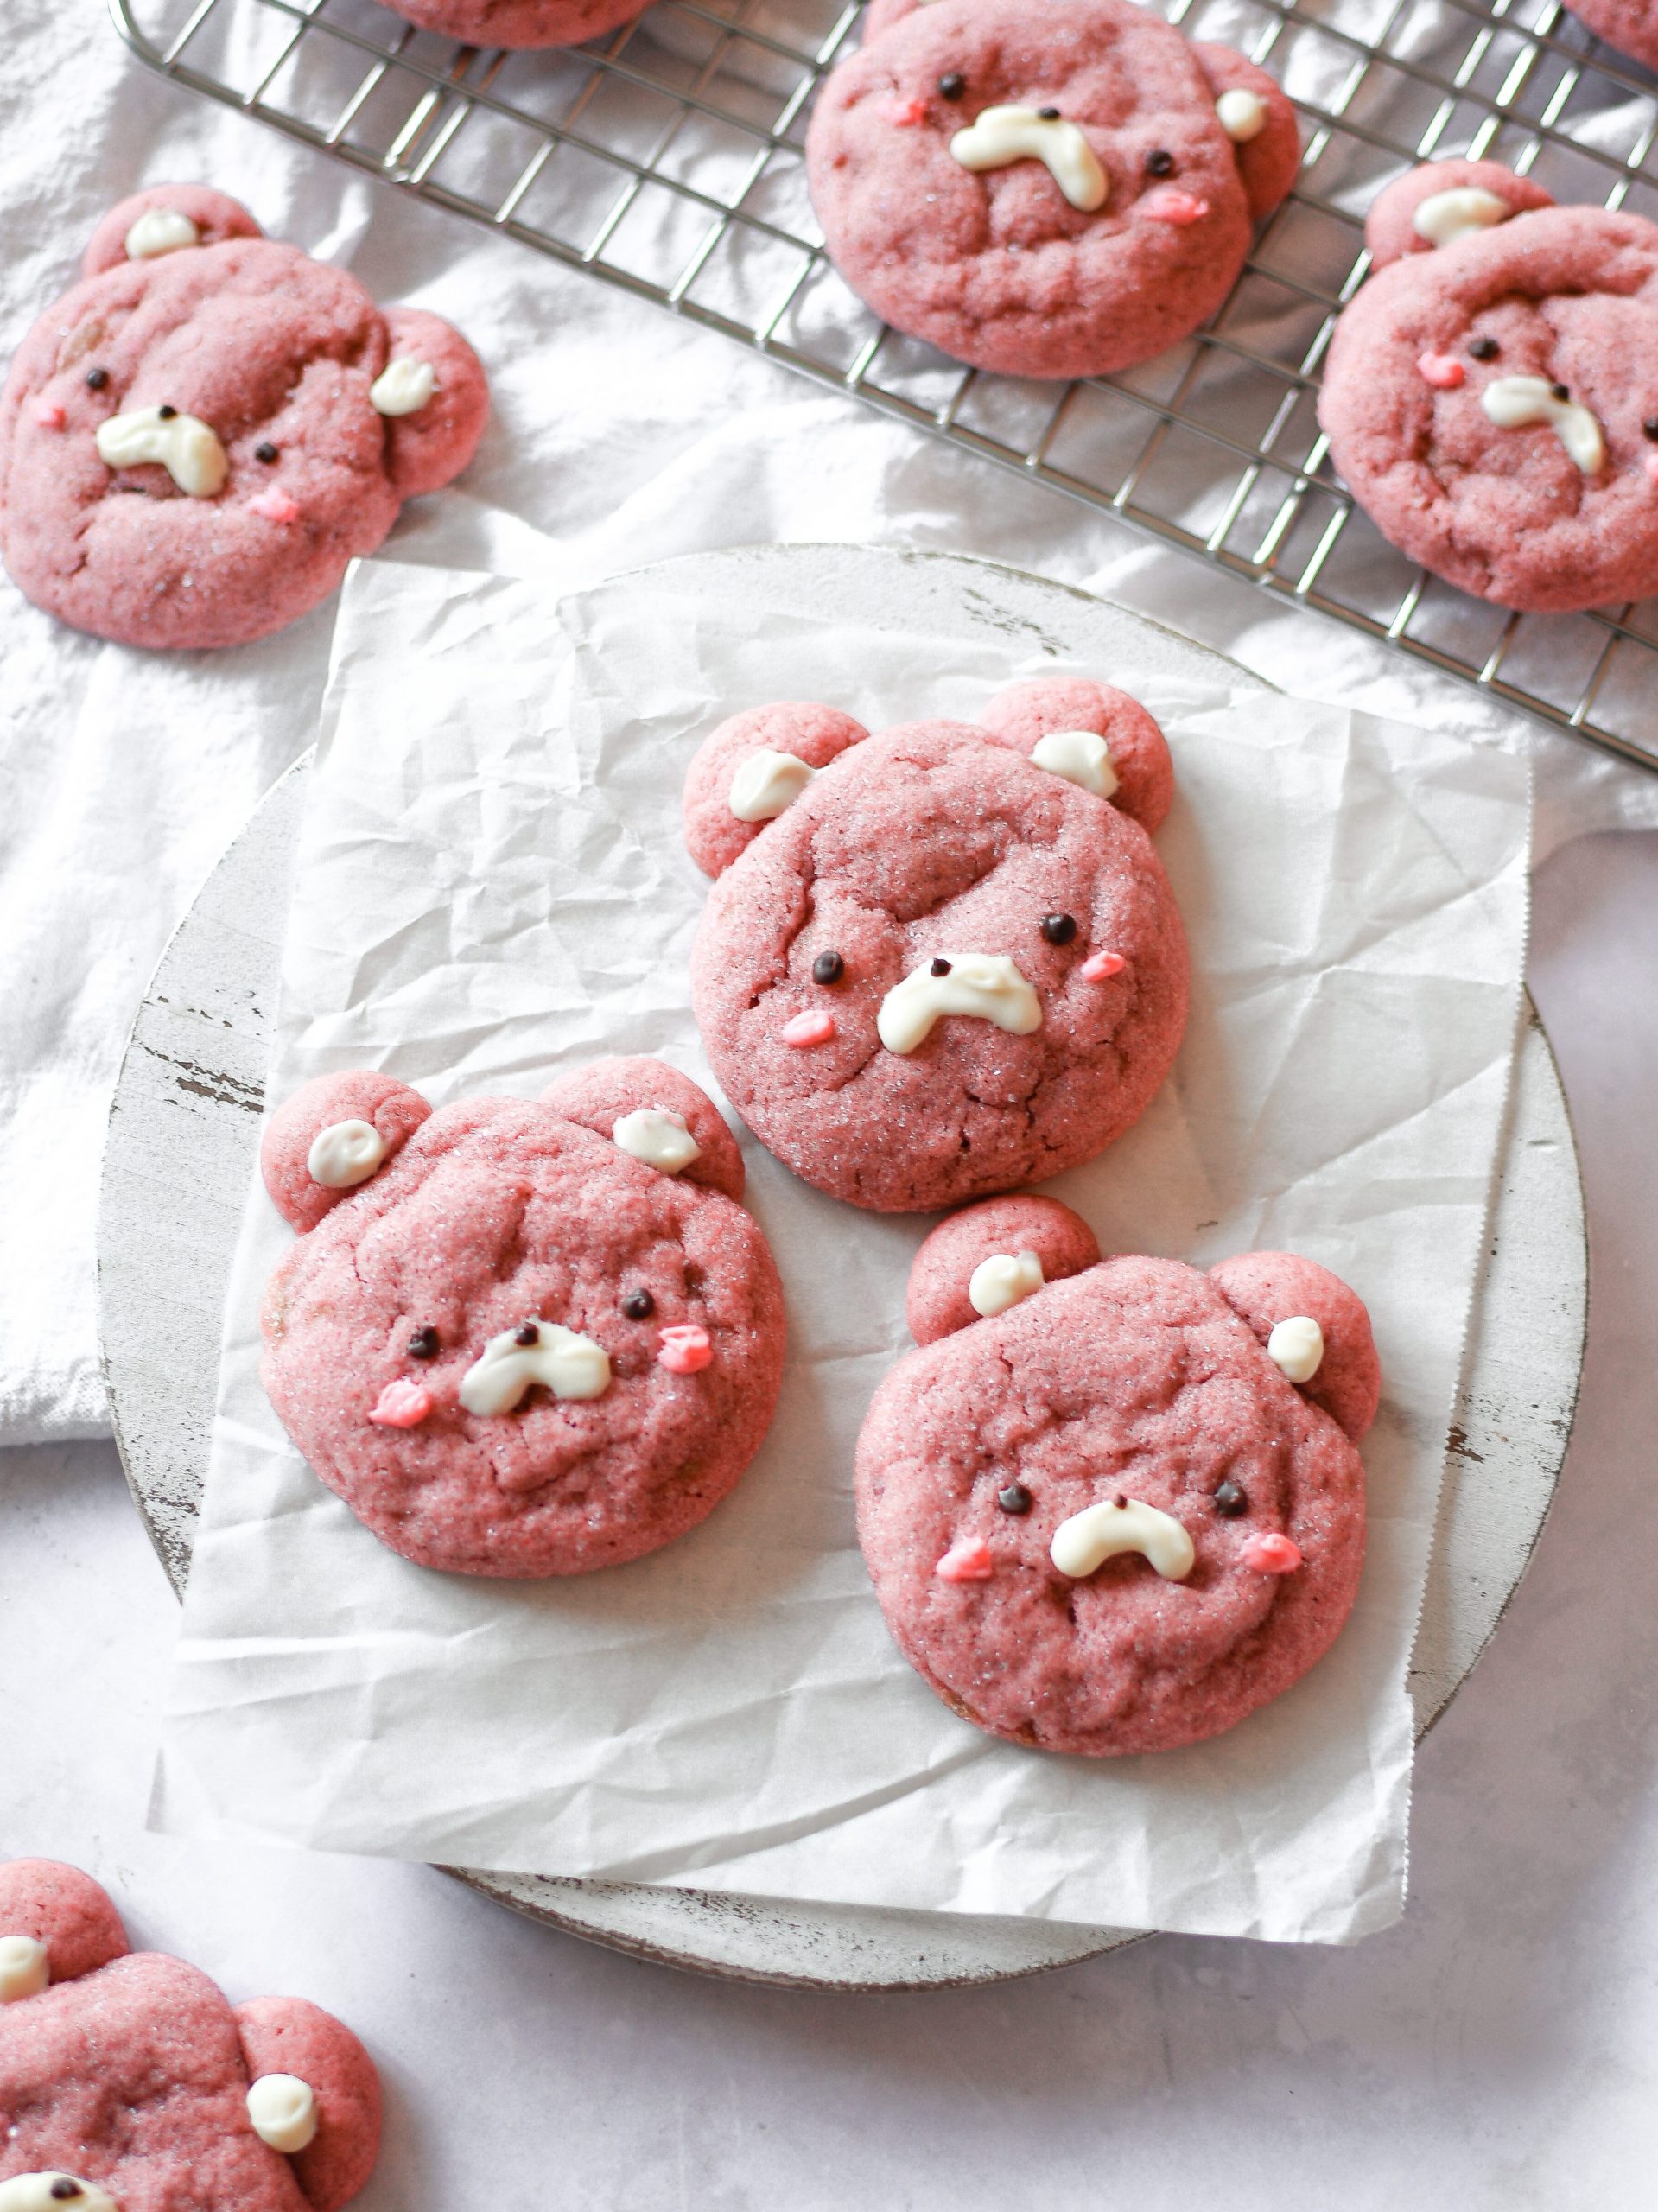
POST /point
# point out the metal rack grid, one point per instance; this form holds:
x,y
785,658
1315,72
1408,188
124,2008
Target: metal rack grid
x,y
666,158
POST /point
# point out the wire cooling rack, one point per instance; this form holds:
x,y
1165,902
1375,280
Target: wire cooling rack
x,y
667,159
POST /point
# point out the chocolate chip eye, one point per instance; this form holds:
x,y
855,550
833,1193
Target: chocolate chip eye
x,y
1484,349
952,85
941,968
1649,428
97,379
266,453
1560,392
1059,929
1231,1501
1160,163
529,1334
1049,114
639,1306
423,1344
1015,1498
167,413
828,967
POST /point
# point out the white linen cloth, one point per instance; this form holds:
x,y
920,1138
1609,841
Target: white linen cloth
x,y
492,886
620,435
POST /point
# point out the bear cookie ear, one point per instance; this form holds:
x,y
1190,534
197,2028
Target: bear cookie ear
x,y
331,1136
1093,735
989,1256
314,2095
165,219
56,1925
1315,1328
1442,201
1257,116
746,773
656,1114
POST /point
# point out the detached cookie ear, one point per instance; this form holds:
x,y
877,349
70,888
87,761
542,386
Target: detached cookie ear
x,y
989,1256
1257,116
656,1114
165,219
56,1925
1315,1328
1038,717
435,396
745,774
314,2095
331,1136
1441,201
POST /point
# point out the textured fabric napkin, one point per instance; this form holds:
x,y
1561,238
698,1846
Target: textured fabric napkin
x,y
621,435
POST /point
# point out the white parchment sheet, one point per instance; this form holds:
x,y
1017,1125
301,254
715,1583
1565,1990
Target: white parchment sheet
x,y
491,885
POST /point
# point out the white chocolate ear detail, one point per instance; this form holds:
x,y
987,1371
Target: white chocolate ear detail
x,y
186,447
1004,134
767,783
569,1365
1099,1532
53,2191
1003,1281
1446,215
403,387
158,230
282,2109
1296,1347
24,1968
657,1137
1513,402
983,983
345,1154
1081,756
1241,115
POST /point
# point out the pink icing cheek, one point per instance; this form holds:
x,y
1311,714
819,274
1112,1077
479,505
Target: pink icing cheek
x,y
1651,466
1440,370
905,113
1099,966
1180,208
969,1561
49,414
402,1405
1271,1555
274,506
685,1349
812,1027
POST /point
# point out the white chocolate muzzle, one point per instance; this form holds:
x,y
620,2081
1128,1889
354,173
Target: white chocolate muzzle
x,y
1514,402
1099,1532
569,1365
987,984
1001,136
46,2192
186,447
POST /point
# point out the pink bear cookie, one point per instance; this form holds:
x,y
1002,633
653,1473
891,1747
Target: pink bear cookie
x,y
1490,396
1051,191
520,1338
945,961
128,2083
1118,1507
518,22
197,439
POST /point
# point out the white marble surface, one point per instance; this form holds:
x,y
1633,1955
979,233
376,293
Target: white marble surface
x,y
1498,2050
